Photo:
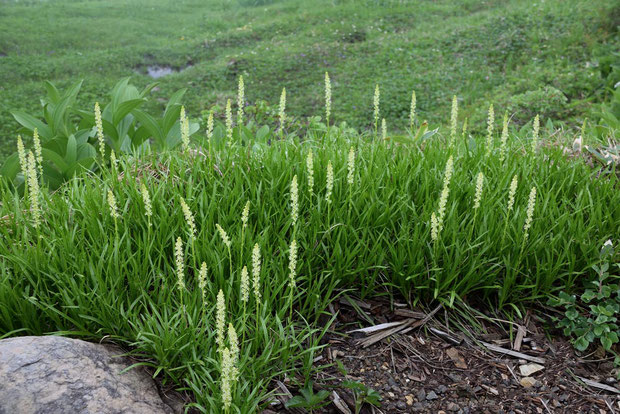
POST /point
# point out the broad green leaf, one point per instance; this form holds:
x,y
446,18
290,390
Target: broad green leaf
x,y
55,158
148,89
59,116
148,122
11,167
30,122
52,92
125,108
71,154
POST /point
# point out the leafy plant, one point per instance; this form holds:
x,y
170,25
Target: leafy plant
x,y
68,134
309,399
362,394
603,298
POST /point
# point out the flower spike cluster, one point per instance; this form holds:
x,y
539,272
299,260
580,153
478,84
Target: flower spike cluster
x,y
223,235
180,263
351,166
189,218
437,219
479,184
256,266
453,121
330,182
412,110
310,168
490,125
294,201
33,193
328,98
99,125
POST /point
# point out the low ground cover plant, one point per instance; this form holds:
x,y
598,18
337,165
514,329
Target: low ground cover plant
x,y
214,260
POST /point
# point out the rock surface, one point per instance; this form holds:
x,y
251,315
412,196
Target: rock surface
x,y
54,375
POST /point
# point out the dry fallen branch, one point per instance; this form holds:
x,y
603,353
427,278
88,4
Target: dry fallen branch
x,y
512,353
402,326
598,385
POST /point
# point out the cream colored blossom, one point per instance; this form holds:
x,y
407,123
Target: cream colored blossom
x,y
282,108
180,263
292,264
244,285
351,166
240,100
223,235
437,219
33,190
256,266
434,227
220,320
99,125
226,379
146,199
330,182
113,160
233,341
328,97
112,205
38,151
310,168
189,218
294,201
530,213
412,110
202,280
490,126
210,126
245,214
453,121
535,132
23,161
512,192
479,185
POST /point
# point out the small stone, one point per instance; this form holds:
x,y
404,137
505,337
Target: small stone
x,y
529,382
453,407
401,405
441,389
409,399
529,369
421,395
454,377
431,396
391,394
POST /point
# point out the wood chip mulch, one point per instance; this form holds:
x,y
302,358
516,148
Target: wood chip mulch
x,y
430,368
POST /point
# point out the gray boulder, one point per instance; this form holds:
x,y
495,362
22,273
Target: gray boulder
x,y
54,375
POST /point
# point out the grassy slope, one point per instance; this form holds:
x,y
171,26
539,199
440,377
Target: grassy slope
x,y
483,52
